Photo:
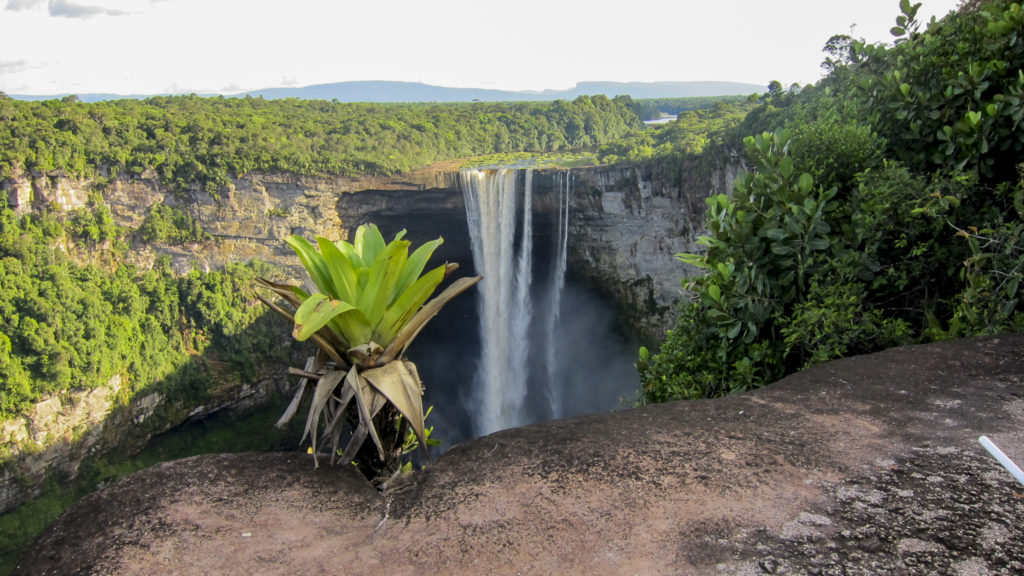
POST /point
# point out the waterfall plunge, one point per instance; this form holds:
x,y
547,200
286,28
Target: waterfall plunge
x,y
502,247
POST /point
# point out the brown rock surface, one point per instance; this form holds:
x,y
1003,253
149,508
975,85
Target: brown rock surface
x,y
867,465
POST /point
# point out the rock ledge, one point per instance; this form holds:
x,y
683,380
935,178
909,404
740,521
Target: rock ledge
x,y
867,465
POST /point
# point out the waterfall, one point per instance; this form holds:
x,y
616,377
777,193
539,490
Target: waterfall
x,y
557,285
504,293
522,370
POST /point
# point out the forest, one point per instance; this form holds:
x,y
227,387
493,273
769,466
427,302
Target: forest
x,y
68,322
884,206
192,140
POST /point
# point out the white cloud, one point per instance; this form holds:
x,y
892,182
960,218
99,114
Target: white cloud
x,y
21,5
13,66
69,9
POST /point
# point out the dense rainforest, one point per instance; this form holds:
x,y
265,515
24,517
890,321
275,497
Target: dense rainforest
x,y
68,320
884,206
190,140
74,313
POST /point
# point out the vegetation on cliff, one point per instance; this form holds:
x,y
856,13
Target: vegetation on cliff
x,y
886,206
74,313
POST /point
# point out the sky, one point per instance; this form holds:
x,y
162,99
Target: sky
x,y
50,47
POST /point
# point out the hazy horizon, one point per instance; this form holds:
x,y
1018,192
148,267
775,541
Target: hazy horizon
x,y
130,47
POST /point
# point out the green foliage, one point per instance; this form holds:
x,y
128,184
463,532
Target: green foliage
x,y
689,134
65,324
654,108
765,244
950,97
370,303
992,273
188,140
888,210
170,225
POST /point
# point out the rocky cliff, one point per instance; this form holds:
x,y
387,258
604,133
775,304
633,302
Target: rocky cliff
x,y
626,223
625,226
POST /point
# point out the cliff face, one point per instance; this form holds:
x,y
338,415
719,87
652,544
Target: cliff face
x,y
626,223
625,226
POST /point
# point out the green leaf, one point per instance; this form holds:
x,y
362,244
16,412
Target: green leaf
x,y
644,354
897,31
413,268
818,244
406,306
1008,307
781,249
315,313
373,299
786,167
715,292
698,260
343,274
313,261
805,183
353,255
369,243
734,330
724,271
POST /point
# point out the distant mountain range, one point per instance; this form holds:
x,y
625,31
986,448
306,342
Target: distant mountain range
x,y
384,91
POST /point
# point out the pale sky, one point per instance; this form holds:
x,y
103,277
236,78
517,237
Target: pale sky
x,y
229,46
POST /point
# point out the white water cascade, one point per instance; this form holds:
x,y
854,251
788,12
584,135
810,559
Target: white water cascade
x,y
552,348
499,214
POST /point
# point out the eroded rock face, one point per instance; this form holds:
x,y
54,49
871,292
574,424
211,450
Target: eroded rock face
x,y
626,223
626,228
867,465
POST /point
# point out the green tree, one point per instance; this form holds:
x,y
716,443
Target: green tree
x,y
887,211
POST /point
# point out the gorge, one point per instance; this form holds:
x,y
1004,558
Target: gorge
x,y
620,229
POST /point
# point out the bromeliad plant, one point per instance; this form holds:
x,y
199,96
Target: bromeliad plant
x,y
370,303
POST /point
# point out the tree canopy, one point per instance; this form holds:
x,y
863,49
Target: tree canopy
x,y
192,139
885,206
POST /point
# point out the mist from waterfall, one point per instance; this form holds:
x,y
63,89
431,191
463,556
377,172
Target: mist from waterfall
x,y
557,286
